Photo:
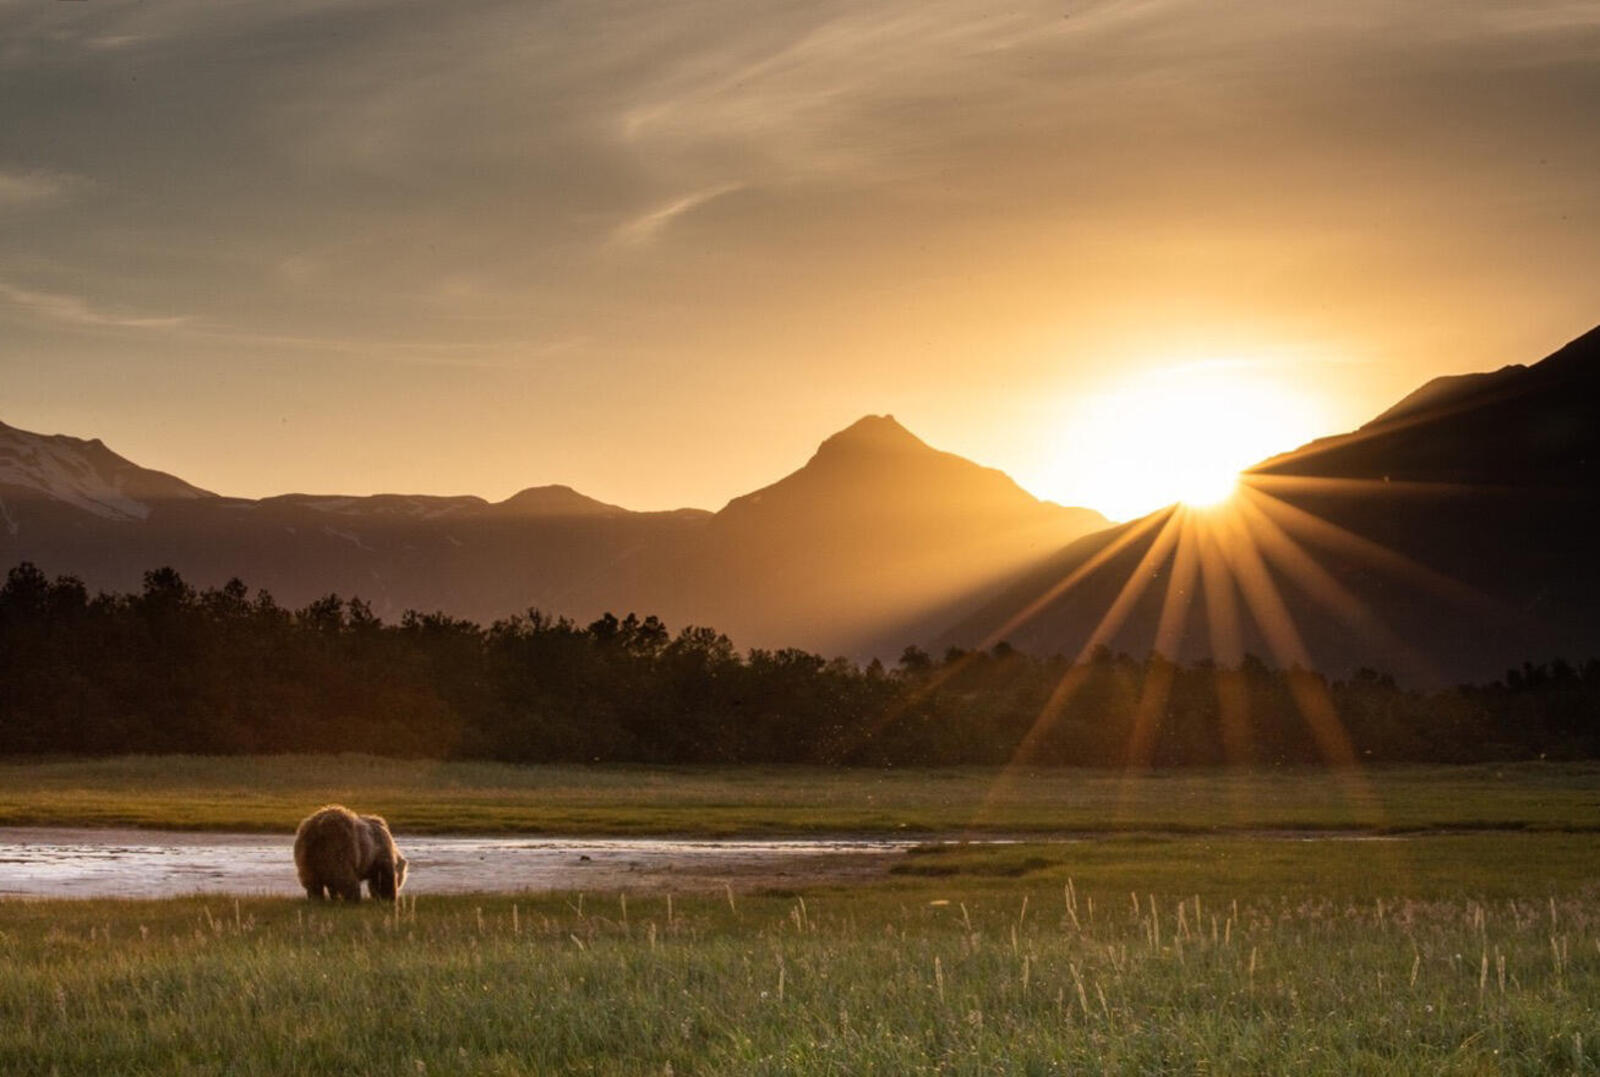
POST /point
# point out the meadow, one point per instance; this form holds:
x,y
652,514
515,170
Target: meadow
x,y
257,793
1461,953
1442,920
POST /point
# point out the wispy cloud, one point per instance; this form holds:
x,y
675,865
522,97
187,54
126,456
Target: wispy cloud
x,y
497,353
647,226
504,353
75,310
110,42
22,190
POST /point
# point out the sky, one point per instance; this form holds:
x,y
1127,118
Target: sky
x,y
659,251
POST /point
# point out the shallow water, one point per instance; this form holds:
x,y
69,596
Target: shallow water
x,y
94,863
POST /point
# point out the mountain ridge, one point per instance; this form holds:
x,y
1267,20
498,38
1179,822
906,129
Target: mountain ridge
x,y
875,516
1445,539
86,474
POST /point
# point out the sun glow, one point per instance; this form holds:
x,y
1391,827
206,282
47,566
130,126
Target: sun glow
x,y
1205,489
1175,435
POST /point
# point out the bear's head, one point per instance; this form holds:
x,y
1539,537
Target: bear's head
x,y
387,879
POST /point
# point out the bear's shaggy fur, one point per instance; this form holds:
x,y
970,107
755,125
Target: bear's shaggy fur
x,y
335,849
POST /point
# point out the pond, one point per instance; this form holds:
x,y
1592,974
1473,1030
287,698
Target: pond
x,y
110,863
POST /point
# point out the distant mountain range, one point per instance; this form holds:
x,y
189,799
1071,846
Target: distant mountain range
x,y
1455,535
1452,537
876,528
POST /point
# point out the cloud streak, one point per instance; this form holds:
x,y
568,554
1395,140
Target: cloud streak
x,y
25,190
647,226
74,310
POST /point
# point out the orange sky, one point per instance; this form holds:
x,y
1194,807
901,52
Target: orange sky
x,y
658,252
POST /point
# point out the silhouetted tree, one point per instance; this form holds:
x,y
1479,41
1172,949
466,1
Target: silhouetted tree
x,y
174,670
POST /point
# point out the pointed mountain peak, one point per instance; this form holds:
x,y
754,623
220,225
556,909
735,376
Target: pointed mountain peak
x,y
876,470
873,434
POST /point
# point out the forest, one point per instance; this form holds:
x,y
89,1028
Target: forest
x,y
178,669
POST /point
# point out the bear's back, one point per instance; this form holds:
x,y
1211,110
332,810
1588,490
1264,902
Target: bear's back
x,y
331,842
377,831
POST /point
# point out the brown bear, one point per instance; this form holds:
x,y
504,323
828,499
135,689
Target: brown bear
x,y
335,849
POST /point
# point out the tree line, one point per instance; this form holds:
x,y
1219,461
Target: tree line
x,y
221,670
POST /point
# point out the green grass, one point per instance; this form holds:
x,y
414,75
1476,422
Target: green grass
x,y
274,792
1463,953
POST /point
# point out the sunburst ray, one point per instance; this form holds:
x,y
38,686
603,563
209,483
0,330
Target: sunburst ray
x,y
1226,637
1329,535
1161,667
1077,673
1283,639
1299,566
1133,533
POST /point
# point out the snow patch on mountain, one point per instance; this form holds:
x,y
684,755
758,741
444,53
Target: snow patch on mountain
x,y
349,536
382,506
83,474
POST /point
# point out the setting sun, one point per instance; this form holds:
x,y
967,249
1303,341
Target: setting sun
x,y
1176,434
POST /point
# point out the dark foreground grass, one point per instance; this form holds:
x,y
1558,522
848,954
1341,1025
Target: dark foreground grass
x,y
274,792
1448,954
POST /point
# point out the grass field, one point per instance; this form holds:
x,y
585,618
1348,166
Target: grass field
x,y
273,793
1466,953
1439,920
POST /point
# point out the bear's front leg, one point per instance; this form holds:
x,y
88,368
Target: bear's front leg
x,y
317,893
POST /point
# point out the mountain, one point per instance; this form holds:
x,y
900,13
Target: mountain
x,y
1450,538
869,532
36,470
877,525
554,501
